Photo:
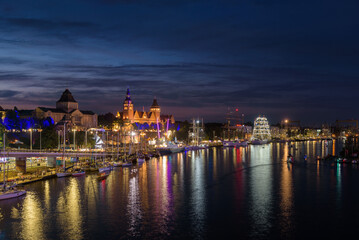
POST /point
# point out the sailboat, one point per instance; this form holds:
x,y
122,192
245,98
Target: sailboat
x,y
8,193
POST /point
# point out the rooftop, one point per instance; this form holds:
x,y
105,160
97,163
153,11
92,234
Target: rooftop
x,y
67,97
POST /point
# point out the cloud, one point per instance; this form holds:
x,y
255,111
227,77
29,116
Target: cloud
x,y
8,93
263,56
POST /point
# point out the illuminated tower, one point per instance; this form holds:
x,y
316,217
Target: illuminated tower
x,y
261,129
128,107
155,109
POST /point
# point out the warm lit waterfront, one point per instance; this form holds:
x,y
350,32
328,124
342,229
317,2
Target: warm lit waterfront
x,y
245,192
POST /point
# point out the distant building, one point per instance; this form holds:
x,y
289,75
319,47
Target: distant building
x,y
275,132
69,107
151,117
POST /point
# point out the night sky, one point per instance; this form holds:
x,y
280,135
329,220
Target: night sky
x,y
281,58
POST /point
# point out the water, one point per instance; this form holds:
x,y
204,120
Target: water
x,y
246,193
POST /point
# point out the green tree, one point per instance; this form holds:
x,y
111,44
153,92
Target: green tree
x,y
182,133
2,130
106,120
48,138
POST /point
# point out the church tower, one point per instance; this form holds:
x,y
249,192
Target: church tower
x,y
128,107
67,102
155,109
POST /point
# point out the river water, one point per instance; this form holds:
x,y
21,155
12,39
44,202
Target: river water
x,y
245,193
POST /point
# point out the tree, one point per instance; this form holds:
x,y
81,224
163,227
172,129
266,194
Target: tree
x,y
49,138
182,133
213,128
106,120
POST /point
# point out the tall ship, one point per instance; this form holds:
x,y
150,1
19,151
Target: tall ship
x,y
261,131
235,131
196,134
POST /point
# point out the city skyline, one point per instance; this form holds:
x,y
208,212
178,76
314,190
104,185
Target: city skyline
x,y
262,57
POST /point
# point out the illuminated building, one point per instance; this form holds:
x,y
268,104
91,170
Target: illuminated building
x,y
142,117
69,107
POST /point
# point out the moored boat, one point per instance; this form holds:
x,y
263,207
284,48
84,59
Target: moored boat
x,y
176,149
78,174
12,194
9,192
105,169
126,164
140,160
63,174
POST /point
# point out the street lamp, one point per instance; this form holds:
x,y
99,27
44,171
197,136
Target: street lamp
x,y
30,139
74,130
40,130
58,142
86,138
3,141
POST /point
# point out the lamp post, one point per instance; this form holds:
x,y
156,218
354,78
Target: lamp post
x,y
106,146
3,141
118,142
30,139
58,142
112,141
86,138
40,130
74,130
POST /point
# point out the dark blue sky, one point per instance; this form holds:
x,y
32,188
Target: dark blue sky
x,y
281,58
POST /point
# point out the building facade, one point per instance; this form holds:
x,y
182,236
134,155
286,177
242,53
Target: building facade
x,y
68,107
142,117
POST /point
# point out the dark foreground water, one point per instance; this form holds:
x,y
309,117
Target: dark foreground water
x,y
246,193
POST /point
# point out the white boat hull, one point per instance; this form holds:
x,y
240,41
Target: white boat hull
x,y
105,169
60,175
13,194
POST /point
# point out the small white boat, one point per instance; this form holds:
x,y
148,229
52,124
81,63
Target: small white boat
x,y
12,194
78,174
63,174
105,169
126,164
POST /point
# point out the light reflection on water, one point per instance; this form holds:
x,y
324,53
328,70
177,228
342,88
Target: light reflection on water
x,y
32,221
245,192
260,181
